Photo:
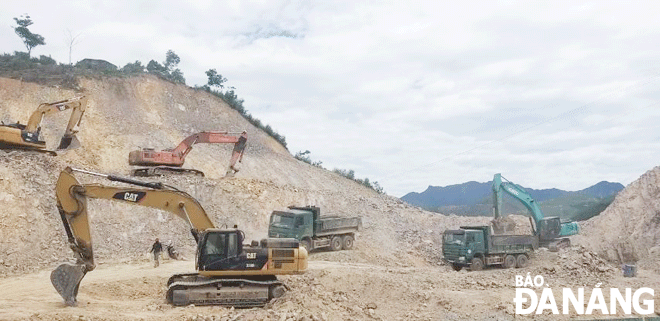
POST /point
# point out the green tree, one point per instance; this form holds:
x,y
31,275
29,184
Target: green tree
x,y
30,39
215,79
301,156
168,69
177,76
133,68
171,60
156,68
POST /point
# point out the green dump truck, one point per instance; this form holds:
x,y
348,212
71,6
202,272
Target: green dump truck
x,y
476,247
313,231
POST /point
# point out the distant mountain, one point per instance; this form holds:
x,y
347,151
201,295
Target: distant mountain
x,y
462,194
603,189
471,193
474,198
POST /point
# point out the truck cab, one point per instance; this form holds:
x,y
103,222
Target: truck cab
x,y
295,223
459,247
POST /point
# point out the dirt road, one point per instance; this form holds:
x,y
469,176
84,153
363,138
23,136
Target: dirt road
x,y
329,290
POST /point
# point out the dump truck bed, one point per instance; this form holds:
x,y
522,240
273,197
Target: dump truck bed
x,y
512,243
336,225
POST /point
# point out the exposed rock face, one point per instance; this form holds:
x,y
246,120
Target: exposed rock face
x,y
629,229
129,113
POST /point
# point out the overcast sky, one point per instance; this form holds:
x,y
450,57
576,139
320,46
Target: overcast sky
x,y
410,94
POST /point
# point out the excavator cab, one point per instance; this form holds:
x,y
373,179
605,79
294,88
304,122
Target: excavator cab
x,y
549,228
220,250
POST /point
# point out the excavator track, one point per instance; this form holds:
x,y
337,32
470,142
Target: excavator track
x,y
241,292
161,170
9,148
559,244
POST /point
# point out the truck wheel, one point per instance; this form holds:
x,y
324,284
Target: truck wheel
x,y
477,264
348,242
456,267
306,244
522,261
335,243
509,261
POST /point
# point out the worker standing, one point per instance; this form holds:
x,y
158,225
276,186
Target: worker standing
x,y
156,249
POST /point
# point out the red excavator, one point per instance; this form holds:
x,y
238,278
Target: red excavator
x,y
171,160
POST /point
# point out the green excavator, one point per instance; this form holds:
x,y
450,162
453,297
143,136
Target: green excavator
x,y
552,232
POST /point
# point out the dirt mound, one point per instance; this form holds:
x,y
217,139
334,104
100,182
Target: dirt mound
x,y
628,230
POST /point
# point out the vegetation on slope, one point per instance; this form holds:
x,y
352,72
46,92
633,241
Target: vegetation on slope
x,y
46,71
350,174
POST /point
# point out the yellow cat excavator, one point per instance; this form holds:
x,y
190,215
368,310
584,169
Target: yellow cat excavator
x,y
26,137
229,273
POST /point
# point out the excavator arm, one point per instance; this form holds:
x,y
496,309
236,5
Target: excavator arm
x,y
19,136
78,104
72,205
518,192
176,157
210,137
548,228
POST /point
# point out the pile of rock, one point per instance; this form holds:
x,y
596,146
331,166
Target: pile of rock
x,y
576,266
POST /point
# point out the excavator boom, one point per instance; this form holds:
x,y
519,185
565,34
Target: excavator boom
x,y
222,261
18,136
171,160
549,229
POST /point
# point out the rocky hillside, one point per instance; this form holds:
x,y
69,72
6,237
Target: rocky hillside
x,y
125,114
628,230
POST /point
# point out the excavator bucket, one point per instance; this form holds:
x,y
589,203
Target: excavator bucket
x,y
66,279
69,142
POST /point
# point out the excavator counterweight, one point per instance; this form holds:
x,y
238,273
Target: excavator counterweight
x,y
229,272
27,137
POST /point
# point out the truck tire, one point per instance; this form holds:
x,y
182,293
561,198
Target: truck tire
x,y
335,243
509,261
348,241
456,267
306,244
477,264
522,261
